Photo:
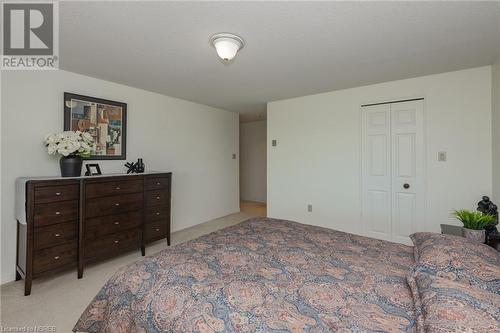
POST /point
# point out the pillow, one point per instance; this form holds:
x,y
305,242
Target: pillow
x,y
458,259
449,306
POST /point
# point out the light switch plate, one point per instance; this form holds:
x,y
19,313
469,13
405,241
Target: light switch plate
x,y
234,156
274,143
442,156
309,208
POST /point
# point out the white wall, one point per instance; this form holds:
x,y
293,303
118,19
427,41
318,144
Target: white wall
x,y
495,97
193,141
253,161
317,159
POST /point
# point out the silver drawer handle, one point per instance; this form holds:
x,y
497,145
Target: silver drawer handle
x,y
117,222
58,213
157,198
118,187
157,213
117,204
116,241
158,183
58,193
56,258
157,230
57,235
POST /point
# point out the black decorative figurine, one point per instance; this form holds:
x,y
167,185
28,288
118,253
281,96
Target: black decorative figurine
x,y
135,167
485,206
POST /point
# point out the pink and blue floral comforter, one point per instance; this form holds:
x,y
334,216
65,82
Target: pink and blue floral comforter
x,y
263,275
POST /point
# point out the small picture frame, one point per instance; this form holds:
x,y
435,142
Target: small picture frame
x,y
92,170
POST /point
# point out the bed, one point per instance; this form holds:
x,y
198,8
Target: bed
x,y
266,275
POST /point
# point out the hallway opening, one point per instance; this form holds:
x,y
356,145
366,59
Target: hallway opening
x,y
253,165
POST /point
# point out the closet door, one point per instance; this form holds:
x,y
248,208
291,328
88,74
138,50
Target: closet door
x,y
408,210
376,152
392,170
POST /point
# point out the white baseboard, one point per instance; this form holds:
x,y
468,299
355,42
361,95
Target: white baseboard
x,y
6,278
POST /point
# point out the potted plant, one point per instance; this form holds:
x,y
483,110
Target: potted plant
x,y
474,223
72,146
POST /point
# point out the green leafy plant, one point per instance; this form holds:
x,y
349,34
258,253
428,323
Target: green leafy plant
x,y
474,220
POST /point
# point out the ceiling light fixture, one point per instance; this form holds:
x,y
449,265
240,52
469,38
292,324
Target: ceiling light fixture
x,y
226,45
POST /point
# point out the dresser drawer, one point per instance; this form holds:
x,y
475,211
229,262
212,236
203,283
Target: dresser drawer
x,y
100,189
55,257
55,234
156,213
155,231
99,226
56,193
113,243
157,183
56,212
157,198
113,205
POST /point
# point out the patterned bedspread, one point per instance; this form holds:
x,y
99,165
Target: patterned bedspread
x,y
263,275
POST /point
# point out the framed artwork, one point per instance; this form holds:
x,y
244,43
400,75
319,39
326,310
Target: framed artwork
x,y
105,120
93,170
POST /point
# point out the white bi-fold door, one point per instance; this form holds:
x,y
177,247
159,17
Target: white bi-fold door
x,y
393,170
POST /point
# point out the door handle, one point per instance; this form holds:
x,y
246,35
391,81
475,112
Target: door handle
x,y
406,185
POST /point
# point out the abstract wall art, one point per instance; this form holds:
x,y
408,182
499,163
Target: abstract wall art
x,y
105,120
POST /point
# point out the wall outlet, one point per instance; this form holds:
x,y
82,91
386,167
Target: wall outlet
x,y
309,208
234,156
442,156
274,143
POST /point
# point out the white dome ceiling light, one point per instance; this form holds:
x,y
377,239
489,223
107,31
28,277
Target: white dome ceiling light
x,y
226,45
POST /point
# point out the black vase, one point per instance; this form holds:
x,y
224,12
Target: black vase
x,y
71,166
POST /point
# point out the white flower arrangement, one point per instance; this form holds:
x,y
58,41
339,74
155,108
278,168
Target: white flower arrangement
x,y
70,143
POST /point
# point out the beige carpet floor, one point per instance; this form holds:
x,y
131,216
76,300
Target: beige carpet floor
x,y
57,301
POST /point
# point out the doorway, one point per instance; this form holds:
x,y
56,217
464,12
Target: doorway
x,y
253,166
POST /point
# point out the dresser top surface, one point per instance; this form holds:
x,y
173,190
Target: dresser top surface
x,y
25,179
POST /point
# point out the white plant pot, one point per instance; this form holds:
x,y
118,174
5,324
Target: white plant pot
x,y
478,236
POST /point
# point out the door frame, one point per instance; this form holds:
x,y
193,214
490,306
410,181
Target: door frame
x,y
395,99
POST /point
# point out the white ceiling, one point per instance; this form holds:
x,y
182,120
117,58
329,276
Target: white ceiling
x,y
292,48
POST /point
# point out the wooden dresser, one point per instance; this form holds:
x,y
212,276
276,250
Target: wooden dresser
x,y
68,222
